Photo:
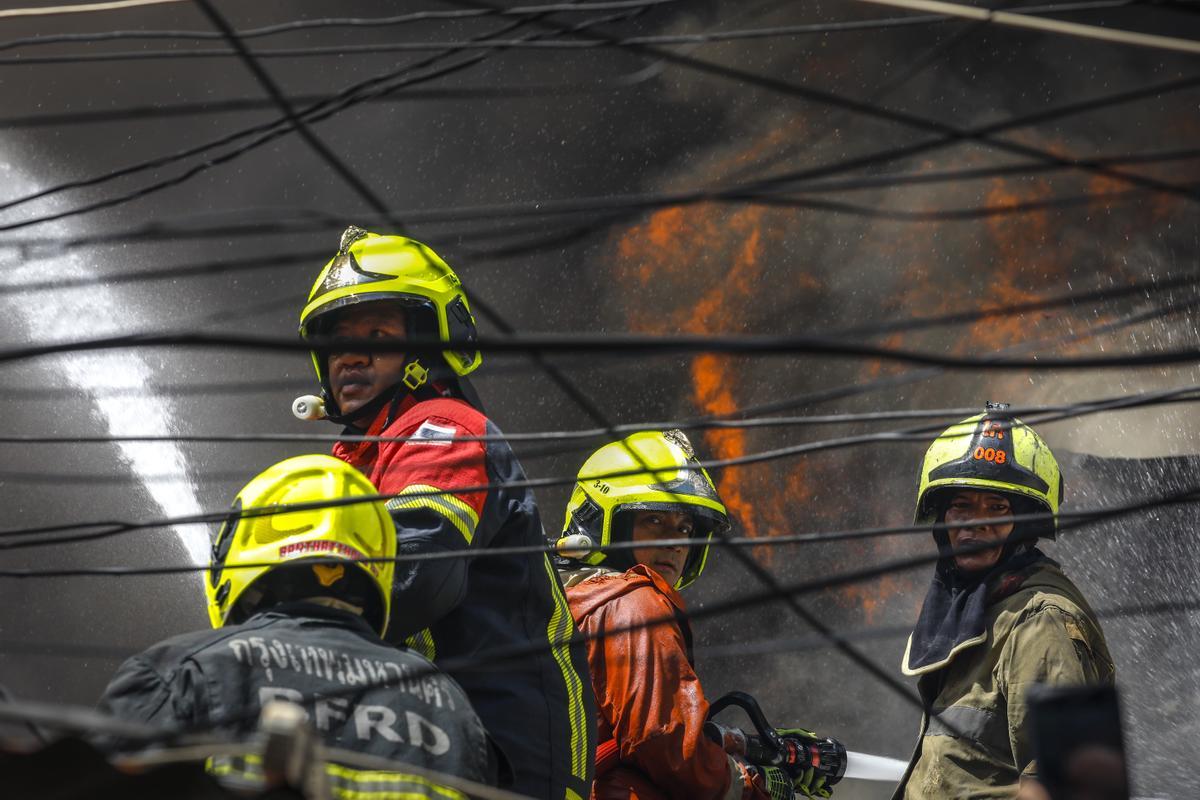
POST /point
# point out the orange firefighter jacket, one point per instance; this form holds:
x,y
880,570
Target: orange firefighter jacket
x,y
648,696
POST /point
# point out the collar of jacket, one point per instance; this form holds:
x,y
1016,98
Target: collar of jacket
x,y
596,590
356,452
301,609
954,616
661,584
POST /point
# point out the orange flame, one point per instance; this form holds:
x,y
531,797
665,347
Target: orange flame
x,y
702,269
708,260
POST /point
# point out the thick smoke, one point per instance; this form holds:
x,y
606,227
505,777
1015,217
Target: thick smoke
x,y
628,123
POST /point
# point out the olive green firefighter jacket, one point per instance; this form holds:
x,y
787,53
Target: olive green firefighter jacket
x,y
1039,629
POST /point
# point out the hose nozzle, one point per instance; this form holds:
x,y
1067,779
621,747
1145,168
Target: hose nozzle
x,y
309,408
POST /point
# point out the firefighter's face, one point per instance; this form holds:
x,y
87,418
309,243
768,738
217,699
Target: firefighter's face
x,y
651,526
971,505
356,378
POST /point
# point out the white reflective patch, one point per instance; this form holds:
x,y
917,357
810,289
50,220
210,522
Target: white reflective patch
x,y
423,733
329,710
431,434
377,719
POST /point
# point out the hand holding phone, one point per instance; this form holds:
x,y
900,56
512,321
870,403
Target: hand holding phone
x,y
1077,742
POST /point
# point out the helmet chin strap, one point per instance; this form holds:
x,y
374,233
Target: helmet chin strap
x,y
367,411
438,381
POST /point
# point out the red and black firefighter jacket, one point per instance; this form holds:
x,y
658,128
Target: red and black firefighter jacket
x,y
461,612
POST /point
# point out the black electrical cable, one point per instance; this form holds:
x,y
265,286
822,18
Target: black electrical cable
x,y
859,389
741,650
984,134
769,192
1065,300
926,177
27,249
776,590
778,646
172,272
337,22
709,37
780,540
93,530
86,720
200,389
194,108
948,415
912,376
490,659
610,344
562,442
886,678
947,134
580,398
824,395
295,121
731,418
155,231
61,716
457,14
269,132
265,133
317,256
385,80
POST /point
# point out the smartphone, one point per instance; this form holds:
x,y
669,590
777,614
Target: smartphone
x,y
1076,733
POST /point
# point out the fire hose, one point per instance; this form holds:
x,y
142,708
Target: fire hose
x,y
793,751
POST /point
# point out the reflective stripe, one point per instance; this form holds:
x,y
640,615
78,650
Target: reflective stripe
x,y
985,728
559,632
422,642
351,784
926,668
461,515
345,783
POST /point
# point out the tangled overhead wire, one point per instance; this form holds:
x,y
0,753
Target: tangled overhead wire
x,y
773,190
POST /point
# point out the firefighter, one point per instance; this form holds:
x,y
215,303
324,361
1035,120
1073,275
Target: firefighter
x,y
627,603
290,628
999,615
457,611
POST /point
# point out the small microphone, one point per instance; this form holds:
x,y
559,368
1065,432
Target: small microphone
x,y
575,545
308,407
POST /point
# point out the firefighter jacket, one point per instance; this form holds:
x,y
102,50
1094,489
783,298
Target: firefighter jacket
x,y
647,693
360,693
974,741
462,612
